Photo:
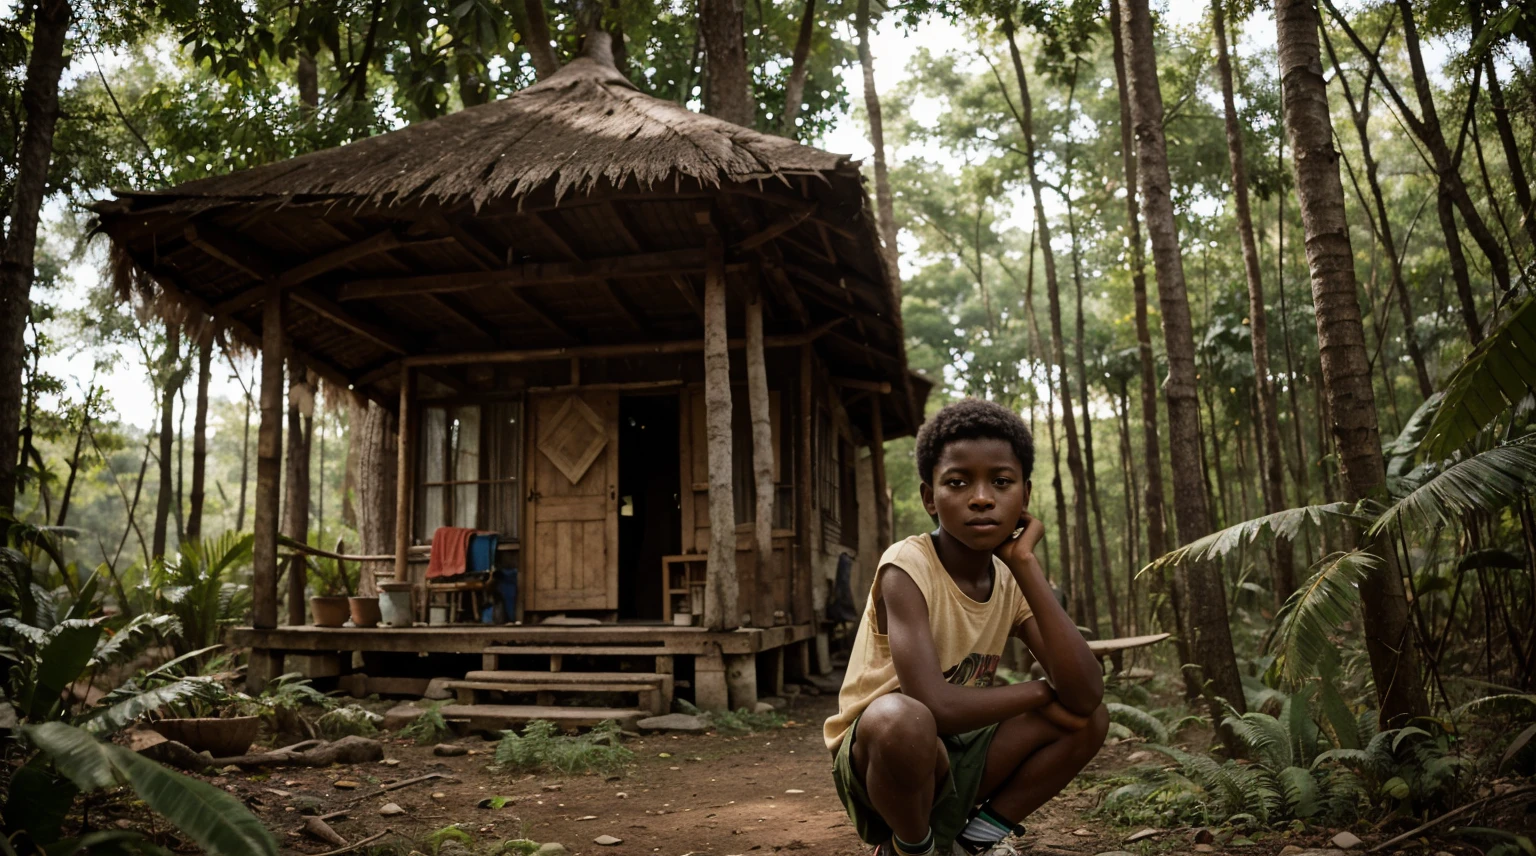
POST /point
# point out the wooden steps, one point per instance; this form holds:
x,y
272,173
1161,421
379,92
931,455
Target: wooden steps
x,y
498,717
579,650
653,690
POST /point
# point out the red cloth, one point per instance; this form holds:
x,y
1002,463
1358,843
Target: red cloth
x,y
450,551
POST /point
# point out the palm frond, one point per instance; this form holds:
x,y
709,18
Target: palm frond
x,y
1487,482
134,637
1265,736
1282,524
1499,373
1302,796
1315,611
114,717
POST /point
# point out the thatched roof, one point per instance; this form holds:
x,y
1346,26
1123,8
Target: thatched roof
x,y
570,213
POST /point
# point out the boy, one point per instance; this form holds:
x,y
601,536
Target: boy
x,y
922,736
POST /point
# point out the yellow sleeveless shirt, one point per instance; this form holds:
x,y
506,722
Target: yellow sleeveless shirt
x,y
970,635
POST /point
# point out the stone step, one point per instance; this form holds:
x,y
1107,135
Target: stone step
x,y
497,717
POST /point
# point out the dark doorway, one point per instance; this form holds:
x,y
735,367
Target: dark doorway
x,y
650,510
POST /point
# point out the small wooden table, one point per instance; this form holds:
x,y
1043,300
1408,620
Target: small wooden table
x,y
1103,648
678,575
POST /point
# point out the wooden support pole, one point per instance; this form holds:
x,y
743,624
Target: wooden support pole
x,y
269,463
741,680
720,601
883,523
800,576
709,685
403,480
762,428
301,398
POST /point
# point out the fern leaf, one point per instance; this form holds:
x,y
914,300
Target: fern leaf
x,y
1487,482
1499,372
1140,722
1265,737
1311,614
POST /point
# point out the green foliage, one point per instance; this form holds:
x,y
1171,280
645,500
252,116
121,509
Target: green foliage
x,y
1286,525
350,720
428,727
744,721
1447,491
1313,613
217,822
435,839
541,748
198,587
1498,374
1138,721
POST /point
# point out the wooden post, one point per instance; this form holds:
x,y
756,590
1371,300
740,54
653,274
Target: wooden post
x,y
720,601
269,444
762,427
741,680
883,523
296,514
403,480
800,576
709,686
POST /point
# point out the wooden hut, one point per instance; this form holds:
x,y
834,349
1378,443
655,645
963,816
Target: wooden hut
x,y
646,347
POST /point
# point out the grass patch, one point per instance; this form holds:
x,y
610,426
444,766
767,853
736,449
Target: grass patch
x,y
435,839
734,722
429,727
541,748
347,721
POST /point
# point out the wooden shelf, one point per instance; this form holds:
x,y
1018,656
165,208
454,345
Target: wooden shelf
x,y
678,574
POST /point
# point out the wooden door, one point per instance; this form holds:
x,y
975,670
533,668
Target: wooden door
x,y
573,514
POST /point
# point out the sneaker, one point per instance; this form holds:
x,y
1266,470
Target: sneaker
x,y
1001,848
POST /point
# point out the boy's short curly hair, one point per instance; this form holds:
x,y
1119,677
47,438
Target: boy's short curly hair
x,y
972,419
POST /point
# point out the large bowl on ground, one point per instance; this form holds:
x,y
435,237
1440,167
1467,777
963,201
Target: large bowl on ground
x,y
220,738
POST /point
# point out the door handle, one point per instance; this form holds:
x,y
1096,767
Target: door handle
x,y
534,496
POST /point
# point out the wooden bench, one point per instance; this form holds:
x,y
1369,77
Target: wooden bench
x,y
1103,648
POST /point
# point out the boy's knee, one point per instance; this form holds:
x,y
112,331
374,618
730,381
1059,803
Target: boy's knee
x,y
897,721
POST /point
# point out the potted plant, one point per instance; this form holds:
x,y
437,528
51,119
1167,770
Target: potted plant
x,y
335,589
216,721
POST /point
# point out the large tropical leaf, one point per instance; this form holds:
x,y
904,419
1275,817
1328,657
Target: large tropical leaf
x,y
1141,723
1300,789
217,822
115,716
65,653
1486,482
1313,613
1499,372
1266,737
132,638
1282,524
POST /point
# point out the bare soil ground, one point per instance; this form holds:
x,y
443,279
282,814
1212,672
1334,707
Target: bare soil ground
x,y
705,795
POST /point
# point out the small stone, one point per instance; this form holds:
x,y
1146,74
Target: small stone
x,y
1291,850
390,762
1115,853
452,848
1346,840
391,810
400,716
345,785
449,750
674,722
1204,848
607,840
762,707
1139,757
794,791
552,848
436,691
587,817
1082,832
1141,835
230,768
775,702
551,787
439,795
621,795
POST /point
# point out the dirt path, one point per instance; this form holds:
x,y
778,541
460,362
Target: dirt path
x,y
706,795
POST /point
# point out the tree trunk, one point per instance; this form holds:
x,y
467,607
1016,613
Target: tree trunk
x,y
200,441
1273,480
531,21
720,602
885,206
74,459
1131,532
799,69
1167,599
301,426
171,376
269,464
1084,551
762,429
29,174
373,438
1210,637
1512,157
1341,342
728,86
1064,543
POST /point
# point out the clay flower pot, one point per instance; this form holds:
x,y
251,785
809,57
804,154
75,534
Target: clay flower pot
x,y
221,738
365,611
329,611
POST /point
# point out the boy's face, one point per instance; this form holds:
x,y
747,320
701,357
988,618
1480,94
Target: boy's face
x,y
978,492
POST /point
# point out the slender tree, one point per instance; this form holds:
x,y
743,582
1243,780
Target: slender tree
x,y
728,85
200,440
172,377
799,69
1210,636
301,432
885,206
40,107
1273,476
1341,343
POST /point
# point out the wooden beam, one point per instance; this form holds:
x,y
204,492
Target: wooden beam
x,y
636,349
488,261
774,229
340,257
333,311
785,291
868,350
269,465
404,472
878,386
465,317
627,231
690,297
631,313
552,235
533,274
721,611
230,251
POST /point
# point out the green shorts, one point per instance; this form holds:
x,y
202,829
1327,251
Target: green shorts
x,y
953,802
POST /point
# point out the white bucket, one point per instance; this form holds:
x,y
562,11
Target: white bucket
x,y
437,615
395,607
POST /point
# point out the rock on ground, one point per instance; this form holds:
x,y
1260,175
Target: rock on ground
x,y
674,722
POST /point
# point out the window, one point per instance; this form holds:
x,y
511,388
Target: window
x,y
469,469
743,479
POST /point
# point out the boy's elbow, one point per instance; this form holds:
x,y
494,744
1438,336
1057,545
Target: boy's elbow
x,y
1082,700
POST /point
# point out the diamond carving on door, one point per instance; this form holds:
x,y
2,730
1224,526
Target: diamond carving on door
x,y
573,438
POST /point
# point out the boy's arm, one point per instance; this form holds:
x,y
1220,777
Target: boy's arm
x,y
955,709
1051,636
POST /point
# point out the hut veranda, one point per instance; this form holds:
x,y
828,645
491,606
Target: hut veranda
x,y
582,304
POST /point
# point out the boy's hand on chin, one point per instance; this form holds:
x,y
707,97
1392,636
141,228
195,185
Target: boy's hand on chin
x,y
1018,549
